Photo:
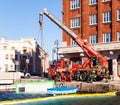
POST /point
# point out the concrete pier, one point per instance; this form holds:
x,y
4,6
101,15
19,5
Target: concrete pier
x,y
95,87
83,87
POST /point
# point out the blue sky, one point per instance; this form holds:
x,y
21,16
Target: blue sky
x,y
19,19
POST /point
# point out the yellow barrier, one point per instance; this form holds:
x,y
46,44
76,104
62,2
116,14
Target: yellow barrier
x,y
54,97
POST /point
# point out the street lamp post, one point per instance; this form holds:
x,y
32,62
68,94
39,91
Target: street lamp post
x,y
27,74
56,46
17,66
27,62
53,51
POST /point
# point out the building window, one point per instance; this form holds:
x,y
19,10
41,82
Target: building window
x,y
118,15
6,56
11,67
16,57
5,47
106,0
75,22
74,43
75,4
107,37
24,49
6,67
12,48
107,17
24,57
118,36
93,2
93,39
11,56
93,19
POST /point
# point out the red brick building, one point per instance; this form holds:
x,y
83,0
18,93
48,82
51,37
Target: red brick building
x,y
97,21
95,17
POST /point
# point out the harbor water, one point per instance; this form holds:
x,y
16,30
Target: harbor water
x,y
84,100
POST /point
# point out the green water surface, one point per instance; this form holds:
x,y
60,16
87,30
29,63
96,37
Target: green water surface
x,y
82,100
107,100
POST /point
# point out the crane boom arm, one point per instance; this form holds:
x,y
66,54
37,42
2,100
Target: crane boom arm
x,y
60,24
75,37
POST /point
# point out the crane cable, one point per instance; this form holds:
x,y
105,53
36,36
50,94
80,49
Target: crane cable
x,y
41,28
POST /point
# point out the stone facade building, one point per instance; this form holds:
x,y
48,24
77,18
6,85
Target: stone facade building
x,y
24,55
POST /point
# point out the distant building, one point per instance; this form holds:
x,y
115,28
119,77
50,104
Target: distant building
x,y
98,22
24,55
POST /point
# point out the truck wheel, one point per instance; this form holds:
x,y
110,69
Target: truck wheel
x,y
89,79
82,76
